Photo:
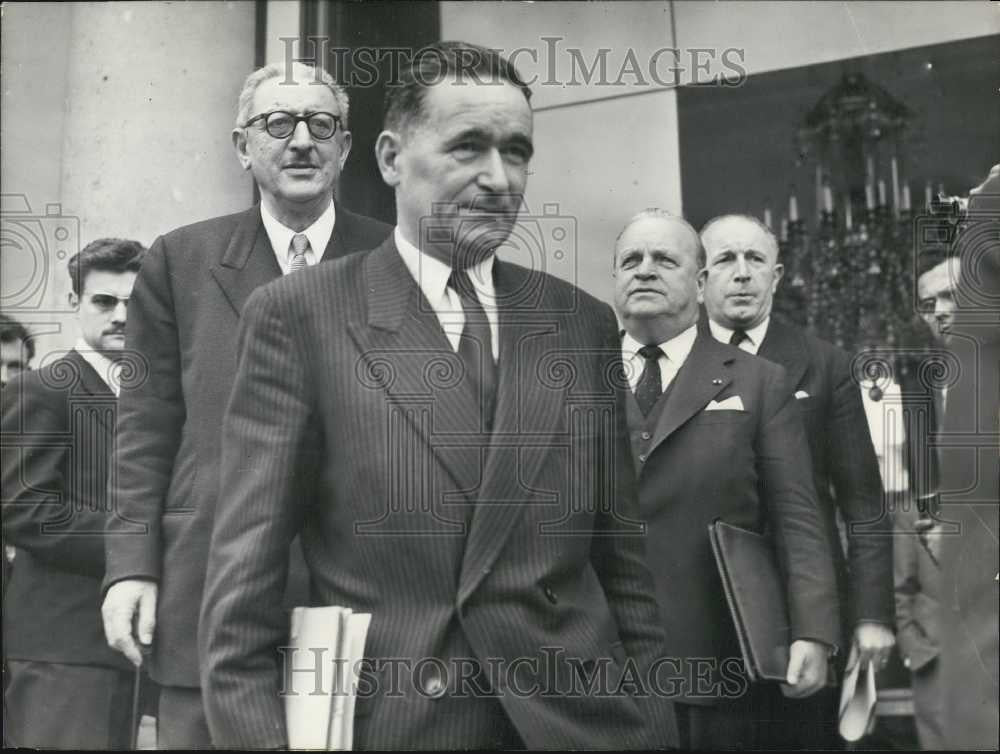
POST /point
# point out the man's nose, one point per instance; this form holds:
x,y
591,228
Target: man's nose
x,y
493,173
742,269
646,268
301,138
120,313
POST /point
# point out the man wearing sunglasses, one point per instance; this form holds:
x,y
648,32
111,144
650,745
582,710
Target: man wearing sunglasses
x,y
291,134
67,689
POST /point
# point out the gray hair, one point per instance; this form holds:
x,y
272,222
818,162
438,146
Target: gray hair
x,y
655,213
297,72
772,239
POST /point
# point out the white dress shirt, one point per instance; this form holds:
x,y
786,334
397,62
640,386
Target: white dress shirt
x,y
750,344
885,423
432,276
675,353
280,236
106,369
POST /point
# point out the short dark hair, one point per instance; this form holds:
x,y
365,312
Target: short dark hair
x,y
12,331
930,257
107,254
404,99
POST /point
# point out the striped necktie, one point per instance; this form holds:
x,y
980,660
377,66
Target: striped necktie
x,y
299,247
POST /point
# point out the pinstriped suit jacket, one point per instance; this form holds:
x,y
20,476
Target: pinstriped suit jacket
x,y
519,549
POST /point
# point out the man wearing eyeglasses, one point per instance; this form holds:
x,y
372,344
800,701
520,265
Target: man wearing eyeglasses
x,y
291,134
67,689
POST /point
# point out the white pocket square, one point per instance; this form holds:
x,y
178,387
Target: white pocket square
x,y
800,394
732,403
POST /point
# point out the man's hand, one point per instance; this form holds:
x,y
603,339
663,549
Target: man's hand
x,y
124,601
873,642
807,667
929,532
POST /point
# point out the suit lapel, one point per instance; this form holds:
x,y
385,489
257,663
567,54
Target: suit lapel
x,y
515,455
343,230
248,261
407,353
703,376
90,382
783,345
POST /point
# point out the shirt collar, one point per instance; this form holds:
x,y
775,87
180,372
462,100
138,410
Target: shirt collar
x,y
755,334
280,235
101,364
432,274
676,349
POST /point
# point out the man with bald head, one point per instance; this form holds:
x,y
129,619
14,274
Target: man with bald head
x,y
741,276
715,434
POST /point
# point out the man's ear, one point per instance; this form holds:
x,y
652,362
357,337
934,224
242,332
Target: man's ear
x,y
345,148
387,150
73,299
240,143
779,270
701,280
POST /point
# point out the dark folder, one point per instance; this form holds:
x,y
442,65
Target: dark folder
x,y
756,595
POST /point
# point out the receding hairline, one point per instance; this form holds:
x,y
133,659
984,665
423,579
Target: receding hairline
x,y
709,226
300,74
655,213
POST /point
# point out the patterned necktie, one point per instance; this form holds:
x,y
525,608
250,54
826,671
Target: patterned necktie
x,y
300,245
738,337
650,386
475,346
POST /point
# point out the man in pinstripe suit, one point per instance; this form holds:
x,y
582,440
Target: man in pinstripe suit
x,y
460,421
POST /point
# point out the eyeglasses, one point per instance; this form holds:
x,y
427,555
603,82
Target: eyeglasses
x,y
280,124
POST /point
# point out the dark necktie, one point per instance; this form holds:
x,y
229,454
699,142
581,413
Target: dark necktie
x,y
649,389
738,337
475,347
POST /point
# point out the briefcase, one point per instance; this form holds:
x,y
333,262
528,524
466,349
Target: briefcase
x,y
755,593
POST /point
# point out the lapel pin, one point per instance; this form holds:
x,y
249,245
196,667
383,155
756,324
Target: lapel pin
x,y
716,381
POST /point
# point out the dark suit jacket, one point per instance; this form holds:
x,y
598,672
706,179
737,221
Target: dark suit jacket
x,y
845,468
58,431
347,379
970,496
917,577
182,321
751,469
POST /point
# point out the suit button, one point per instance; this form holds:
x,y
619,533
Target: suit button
x,y
645,435
642,458
551,596
434,686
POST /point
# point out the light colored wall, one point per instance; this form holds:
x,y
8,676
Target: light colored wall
x,y
282,21
778,35
605,151
120,113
